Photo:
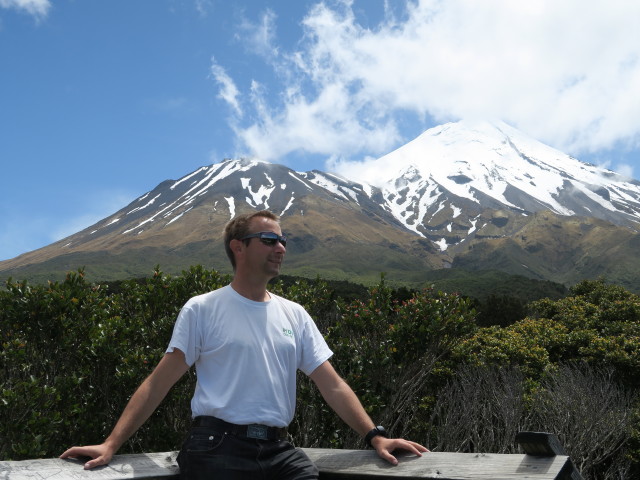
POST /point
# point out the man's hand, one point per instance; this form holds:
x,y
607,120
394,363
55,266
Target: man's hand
x,y
386,446
100,454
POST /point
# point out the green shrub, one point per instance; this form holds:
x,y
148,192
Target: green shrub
x,y
72,355
391,352
73,352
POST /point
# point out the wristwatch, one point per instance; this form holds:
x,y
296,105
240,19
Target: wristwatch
x,y
379,430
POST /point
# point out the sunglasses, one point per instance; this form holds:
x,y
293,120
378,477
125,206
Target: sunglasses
x,y
268,238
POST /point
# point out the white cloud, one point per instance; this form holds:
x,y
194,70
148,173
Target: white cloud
x,y
324,124
567,73
260,38
38,8
228,90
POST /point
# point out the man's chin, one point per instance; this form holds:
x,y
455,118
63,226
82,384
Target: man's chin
x,y
274,271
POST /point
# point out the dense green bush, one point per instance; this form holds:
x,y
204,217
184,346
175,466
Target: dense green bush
x,y
596,323
73,352
392,353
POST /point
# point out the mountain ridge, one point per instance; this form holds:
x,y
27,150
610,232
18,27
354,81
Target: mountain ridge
x,y
454,196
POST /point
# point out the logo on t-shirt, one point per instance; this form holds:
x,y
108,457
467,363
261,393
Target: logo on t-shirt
x,y
287,332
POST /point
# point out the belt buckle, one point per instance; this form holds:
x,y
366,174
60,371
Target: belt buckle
x,y
257,431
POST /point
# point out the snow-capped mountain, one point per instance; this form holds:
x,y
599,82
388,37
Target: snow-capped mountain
x,y
424,206
439,186
441,182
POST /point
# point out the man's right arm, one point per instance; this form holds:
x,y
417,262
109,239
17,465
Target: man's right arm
x,y
140,407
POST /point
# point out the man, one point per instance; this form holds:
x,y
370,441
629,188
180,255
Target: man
x,y
247,345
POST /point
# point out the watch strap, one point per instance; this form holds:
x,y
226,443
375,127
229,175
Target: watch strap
x,y
374,432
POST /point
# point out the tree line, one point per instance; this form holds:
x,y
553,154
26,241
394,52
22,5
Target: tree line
x,y
428,365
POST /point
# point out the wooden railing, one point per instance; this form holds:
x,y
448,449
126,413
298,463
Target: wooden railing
x,y
543,458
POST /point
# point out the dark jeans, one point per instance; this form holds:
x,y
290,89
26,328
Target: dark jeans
x,y
212,455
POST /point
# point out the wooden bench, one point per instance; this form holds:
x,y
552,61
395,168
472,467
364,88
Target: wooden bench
x,y
543,459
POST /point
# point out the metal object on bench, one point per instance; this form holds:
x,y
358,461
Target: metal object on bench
x,y
540,444
544,444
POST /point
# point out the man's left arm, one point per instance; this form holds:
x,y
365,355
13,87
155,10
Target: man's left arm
x,y
341,398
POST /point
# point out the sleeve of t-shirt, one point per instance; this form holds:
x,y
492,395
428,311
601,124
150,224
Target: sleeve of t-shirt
x,y
315,350
185,335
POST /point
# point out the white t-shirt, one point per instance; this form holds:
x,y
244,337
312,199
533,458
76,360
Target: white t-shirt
x,y
246,355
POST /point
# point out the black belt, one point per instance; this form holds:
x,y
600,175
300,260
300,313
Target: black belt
x,y
257,431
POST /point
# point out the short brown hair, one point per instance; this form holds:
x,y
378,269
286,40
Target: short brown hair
x,y
239,227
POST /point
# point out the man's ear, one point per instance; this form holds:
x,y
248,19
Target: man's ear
x,y
236,245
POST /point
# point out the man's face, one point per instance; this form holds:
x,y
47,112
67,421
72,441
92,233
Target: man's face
x,y
260,258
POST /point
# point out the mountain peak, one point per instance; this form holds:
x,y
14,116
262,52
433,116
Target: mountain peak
x,y
492,164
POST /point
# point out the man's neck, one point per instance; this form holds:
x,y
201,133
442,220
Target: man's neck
x,y
256,292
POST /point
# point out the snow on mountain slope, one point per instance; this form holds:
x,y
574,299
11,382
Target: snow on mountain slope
x,y
457,165
226,187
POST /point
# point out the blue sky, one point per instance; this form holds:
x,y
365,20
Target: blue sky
x,y
102,100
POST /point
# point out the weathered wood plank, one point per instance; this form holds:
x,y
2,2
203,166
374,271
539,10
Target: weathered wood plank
x,y
146,465
355,464
333,464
